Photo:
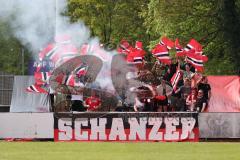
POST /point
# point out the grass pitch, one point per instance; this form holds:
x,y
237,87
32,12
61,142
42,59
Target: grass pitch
x,y
118,151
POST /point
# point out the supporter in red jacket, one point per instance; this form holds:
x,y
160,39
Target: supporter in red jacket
x,y
93,102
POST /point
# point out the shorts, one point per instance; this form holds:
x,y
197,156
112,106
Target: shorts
x,y
162,102
77,105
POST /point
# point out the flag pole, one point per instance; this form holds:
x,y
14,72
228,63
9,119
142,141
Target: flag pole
x,y
56,17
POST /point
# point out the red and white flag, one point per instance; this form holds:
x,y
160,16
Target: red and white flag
x,y
41,77
49,51
36,89
138,45
175,79
138,60
124,47
161,53
58,53
68,80
196,60
64,53
81,70
179,49
96,50
136,55
167,42
194,45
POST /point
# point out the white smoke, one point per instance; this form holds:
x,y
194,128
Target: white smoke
x,y
36,22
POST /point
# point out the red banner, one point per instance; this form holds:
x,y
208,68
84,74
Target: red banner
x,y
225,95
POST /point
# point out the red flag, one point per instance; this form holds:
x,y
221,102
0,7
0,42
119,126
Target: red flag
x,y
60,78
161,53
194,45
41,77
138,60
204,58
167,42
59,52
175,79
179,49
96,50
36,88
64,53
48,51
124,47
196,60
81,70
138,45
68,80
136,54
65,79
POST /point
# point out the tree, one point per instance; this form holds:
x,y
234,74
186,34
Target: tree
x,y
214,23
111,20
11,52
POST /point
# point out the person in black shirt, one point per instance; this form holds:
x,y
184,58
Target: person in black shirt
x,y
205,87
201,102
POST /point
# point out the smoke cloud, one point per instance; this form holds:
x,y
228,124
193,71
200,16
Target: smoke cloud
x,y
36,22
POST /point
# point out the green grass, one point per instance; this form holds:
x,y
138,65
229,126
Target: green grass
x,y
118,151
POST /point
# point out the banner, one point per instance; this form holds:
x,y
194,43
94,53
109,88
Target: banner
x,y
23,101
26,125
225,95
126,127
219,125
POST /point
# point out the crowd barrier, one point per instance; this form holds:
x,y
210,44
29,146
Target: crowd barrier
x,y
119,126
219,125
26,125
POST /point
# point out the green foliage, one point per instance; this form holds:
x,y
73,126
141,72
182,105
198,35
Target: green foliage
x,y
111,20
214,23
11,52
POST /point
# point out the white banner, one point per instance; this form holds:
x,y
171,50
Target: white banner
x,y
26,125
219,125
23,101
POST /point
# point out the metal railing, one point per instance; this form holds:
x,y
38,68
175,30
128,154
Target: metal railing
x,y
6,88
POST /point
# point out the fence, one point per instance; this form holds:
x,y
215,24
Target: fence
x,y
6,88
